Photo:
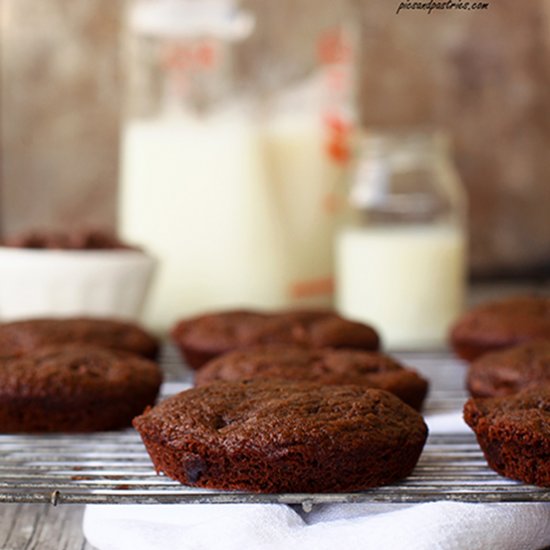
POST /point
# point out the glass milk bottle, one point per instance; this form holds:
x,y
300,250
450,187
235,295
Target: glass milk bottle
x,y
401,262
194,189
310,94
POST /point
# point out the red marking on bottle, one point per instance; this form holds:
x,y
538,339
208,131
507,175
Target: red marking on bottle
x,y
338,150
205,54
332,47
337,145
311,288
176,57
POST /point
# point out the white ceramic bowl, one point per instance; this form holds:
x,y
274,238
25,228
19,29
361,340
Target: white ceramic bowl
x,y
44,283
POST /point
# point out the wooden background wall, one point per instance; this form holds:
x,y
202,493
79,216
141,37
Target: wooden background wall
x,y
484,75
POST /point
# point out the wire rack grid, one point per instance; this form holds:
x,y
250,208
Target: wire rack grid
x,y
115,468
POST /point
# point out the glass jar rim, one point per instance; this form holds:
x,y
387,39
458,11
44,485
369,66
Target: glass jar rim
x,y
191,18
418,140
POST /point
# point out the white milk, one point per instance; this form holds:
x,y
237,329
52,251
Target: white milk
x,y
309,192
407,280
238,215
195,195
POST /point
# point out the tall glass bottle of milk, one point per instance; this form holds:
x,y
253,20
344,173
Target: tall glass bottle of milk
x,y
309,132
194,189
234,151
401,263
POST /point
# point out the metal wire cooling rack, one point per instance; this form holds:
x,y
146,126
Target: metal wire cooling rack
x,y
114,467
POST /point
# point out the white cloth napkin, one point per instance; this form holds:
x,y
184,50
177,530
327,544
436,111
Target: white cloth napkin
x,y
437,525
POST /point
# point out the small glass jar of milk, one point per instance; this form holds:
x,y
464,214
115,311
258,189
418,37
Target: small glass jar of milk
x,y
401,261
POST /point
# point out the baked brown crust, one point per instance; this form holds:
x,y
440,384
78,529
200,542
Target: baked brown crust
x,y
501,324
21,337
75,389
273,436
514,433
81,239
510,371
202,338
324,366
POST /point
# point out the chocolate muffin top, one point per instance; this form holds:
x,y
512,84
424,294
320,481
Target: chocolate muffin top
x,y
218,332
272,414
76,371
324,366
75,388
21,337
214,334
524,416
276,436
514,433
501,324
511,370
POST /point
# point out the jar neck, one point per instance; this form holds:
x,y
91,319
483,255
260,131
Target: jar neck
x,y
182,56
405,178
188,19
404,149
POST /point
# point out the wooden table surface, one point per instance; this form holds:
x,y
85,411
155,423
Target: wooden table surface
x,y
47,527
